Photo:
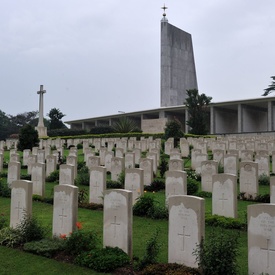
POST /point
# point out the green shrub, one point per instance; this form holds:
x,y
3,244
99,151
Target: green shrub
x,y
121,178
158,212
152,250
3,221
82,196
10,237
220,168
157,185
45,247
224,222
53,177
104,259
218,255
163,167
264,179
80,241
79,146
192,186
5,191
112,184
204,194
143,205
83,177
31,230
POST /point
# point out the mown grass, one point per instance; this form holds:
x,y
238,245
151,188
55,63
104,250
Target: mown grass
x,y
143,228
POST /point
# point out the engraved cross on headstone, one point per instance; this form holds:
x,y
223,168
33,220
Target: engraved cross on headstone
x,y
268,250
183,235
62,216
115,224
18,210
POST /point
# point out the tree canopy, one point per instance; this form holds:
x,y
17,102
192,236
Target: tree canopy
x,y
55,121
198,116
28,137
270,88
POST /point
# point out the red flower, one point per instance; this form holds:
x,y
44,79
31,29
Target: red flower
x,y
63,236
79,225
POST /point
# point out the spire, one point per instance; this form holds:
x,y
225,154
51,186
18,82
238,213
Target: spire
x,y
164,19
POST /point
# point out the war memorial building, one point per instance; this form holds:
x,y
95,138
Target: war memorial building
x,y
178,74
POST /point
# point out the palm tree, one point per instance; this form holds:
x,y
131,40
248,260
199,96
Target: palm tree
x,y
125,125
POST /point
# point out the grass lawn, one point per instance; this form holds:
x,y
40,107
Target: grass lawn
x,y
15,261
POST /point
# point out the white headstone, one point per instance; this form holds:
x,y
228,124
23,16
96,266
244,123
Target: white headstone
x,y
118,219
21,201
97,184
186,229
261,238
65,209
224,195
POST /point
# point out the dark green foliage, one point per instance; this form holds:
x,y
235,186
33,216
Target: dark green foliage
x,y
5,191
79,146
9,237
80,241
45,247
173,129
82,196
6,126
192,186
220,168
91,206
30,230
102,130
204,194
104,259
264,179
53,177
147,206
270,88
112,184
158,212
121,178
3,221
157,185
197,108
143,205
224,222
83,176
217,255
65,133
163,167
28,138
125,125
55,122
259,198
152,251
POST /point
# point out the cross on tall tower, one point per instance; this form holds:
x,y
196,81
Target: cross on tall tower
x,y
164,8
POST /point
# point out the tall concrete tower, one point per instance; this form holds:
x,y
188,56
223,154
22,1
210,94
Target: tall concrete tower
x,y
178,72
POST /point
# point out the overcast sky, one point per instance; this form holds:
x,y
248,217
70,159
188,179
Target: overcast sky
x,y
96,58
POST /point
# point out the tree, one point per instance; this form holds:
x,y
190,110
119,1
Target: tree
x,y
198,117
55,116
24,118
173,129
6,128
270,88
28,137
